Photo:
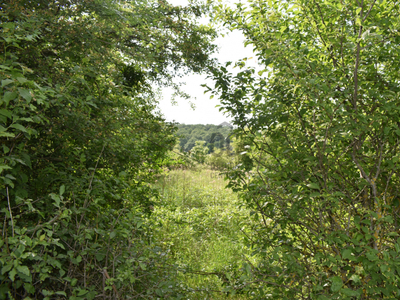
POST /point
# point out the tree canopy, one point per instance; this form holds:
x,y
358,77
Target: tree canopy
x,y
216,137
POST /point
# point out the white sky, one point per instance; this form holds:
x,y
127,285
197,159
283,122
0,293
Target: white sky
x,y
231,48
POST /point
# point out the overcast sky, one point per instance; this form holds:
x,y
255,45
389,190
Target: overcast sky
x,y
231,48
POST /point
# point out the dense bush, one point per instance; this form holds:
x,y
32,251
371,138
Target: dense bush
x,y
80,144
321,127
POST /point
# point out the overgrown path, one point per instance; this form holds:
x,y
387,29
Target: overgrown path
x,y
201,226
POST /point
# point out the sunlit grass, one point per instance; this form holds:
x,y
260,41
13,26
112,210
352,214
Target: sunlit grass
x,y
200,224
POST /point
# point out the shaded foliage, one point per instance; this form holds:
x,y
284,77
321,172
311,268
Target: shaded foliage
x,y
80,143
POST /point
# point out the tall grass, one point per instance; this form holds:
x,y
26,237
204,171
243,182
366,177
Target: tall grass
x,y
200,225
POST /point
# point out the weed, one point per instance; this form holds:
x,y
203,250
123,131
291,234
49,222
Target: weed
x,y
199,223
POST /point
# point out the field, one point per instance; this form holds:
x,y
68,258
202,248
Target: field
x,y
202,226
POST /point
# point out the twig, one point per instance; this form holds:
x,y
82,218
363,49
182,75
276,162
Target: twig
x,y
9,208
367,14
47,223
90,187
113,286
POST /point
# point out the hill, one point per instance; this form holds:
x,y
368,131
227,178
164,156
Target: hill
x,y
215,136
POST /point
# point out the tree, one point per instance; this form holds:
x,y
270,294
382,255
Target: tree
x,y
81,142
199,151
322,123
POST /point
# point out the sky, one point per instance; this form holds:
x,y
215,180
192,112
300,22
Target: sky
x,y
231,48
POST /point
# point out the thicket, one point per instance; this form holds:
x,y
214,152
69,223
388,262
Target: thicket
x,y
80,143
320,123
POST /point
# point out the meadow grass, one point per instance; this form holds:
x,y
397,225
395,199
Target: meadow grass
x,y
200,224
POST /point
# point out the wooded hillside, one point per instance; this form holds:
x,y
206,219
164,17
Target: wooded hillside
x,y
216,137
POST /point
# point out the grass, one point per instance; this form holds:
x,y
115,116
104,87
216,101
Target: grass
x,y
200,223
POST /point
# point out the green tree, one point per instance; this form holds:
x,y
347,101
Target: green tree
x,y
322,123
80,142
199,151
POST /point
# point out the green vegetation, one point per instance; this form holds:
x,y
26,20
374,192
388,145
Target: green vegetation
x,y
80,143
201,227
98,199
216,137
320,123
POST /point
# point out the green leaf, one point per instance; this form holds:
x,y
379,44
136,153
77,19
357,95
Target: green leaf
x,y
351,293
8,96
12,274
347,254
313,186
61,293
62,190
3,167
6,268
315,194
82,292
25,94
337,284
371,256
19,127
24,270
6,82
6,113
74,281
47,293
29,288
142,265
56,198
22,80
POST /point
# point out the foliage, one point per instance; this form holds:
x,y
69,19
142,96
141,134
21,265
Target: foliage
x,y
216,137
219,160
322,124
201,227
177,158
199,152
80,143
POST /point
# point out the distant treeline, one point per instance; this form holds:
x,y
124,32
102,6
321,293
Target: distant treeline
x,y
215,136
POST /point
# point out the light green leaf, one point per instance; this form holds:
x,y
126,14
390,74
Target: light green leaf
x,y
24,270
6,82
337,284
62,190
4,167
56,199
82,292
25,94
22,79
12,274
8,96
74,281
6,113
19,127
313,186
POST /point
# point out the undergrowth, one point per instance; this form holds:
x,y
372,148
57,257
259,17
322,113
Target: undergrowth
x,y
202,227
